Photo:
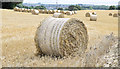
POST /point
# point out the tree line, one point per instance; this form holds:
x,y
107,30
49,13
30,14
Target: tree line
x,y
70,8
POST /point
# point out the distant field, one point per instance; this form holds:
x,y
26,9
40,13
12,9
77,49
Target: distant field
x,y
18,31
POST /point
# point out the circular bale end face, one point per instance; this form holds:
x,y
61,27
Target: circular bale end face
x,y
110,14
115,15
88,14
94,13
73,38
61,37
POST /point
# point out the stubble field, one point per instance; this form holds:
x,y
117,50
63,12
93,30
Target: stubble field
x,y
18,31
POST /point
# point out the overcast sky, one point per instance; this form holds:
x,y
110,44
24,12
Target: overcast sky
x,y
96,2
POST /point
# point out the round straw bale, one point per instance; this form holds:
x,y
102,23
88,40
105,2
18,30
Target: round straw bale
x,y
88,14
93,17
61,11
28,10
50,12
65,12
40,11
58,11
25,10
46,11
35,12
43,11
94,13
20,10
58,15
69,13
16,9
53,11
110,14
31,10
75,12
118,13
61,37
72,12
115,15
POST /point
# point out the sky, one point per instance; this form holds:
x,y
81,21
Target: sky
x,y
95,2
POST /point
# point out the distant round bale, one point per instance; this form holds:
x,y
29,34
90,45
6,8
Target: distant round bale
x,y
46,11
31,10
35,12
20,10
28,10
72,12
61,37
61,11
50,12
94,13
69,13
65,12
93,17
58,15
40,11
118,13
16,9
88,14
58,11
115,15
25,10
43,11
53,11
110,14
75,12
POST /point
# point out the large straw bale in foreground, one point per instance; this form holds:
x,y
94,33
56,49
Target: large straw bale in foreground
x,y
58,15
93,17
61,36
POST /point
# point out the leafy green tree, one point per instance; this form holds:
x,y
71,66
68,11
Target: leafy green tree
x,y
60,9
9,5
90,8
66,9
40,7
112,8
78,7
71,7
74,7
118,7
